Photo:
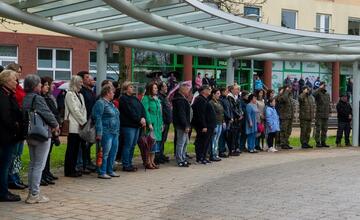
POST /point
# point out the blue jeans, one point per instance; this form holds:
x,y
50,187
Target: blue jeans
x,y
5,161
109,144
14,176
215,141
131,136
223,139
251,141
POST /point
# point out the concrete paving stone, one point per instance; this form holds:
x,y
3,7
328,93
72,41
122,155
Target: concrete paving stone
x,y
285,185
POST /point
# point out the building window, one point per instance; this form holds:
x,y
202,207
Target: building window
x,y
54,63
8,54
354,26
252,13
113,66
288,18
323,23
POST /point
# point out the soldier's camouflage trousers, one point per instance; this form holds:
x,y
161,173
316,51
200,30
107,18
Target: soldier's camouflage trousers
x,y
285,131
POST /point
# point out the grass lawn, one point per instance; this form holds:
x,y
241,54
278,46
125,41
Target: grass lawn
x,y
58,153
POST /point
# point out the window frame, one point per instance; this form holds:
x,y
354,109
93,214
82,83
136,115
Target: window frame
x,y
254,7
353,19
323,29
296,17
53,61
9,58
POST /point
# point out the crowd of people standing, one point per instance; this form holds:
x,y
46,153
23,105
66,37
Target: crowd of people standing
x,y
228,121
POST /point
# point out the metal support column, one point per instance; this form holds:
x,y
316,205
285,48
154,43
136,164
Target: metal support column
x,y
356,100
101,64
230,71
251,81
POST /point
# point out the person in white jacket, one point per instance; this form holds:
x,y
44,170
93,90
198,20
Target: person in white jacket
x,y
75,112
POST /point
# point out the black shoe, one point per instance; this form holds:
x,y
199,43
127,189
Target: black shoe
x,y
207,161
85,171
318,145
10,198
201,162
130,169
348,145
182,164
215,159
286,147
91,167
234,154
238,151
49,181
187,162
161,161
43,182
223,155
309,146
166,159
325,145
76,174
305,146
52,176
16,186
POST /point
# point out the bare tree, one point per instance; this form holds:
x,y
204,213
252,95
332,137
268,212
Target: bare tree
x,y
232,6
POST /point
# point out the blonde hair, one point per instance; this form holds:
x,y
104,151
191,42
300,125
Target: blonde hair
x,y
75,84
125,86
5,75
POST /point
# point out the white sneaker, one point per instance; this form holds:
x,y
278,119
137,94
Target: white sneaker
x,y
275,150
271,149
32,199
104,176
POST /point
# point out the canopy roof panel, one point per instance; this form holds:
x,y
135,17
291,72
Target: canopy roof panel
x,y
184,25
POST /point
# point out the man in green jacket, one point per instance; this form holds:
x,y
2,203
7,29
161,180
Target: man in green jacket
x,y
306,113
322,100
286,113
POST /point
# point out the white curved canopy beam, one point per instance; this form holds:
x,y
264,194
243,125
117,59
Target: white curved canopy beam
x,y
174,27
304,57
11,12
187,50
173,49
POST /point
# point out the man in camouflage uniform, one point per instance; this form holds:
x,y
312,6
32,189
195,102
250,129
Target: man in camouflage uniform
x,y
286,112
322,100
306,113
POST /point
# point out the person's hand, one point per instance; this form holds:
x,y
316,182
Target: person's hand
x,y
204,130
350,117
187,130
98,137
151,127
250,124
142,122
322,86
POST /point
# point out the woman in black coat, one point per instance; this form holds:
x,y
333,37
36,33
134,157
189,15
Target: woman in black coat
x,y
11,130
46,92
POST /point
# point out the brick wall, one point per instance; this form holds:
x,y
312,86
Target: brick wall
x,y
28,44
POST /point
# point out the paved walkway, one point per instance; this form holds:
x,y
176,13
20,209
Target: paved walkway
x,y
312,184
